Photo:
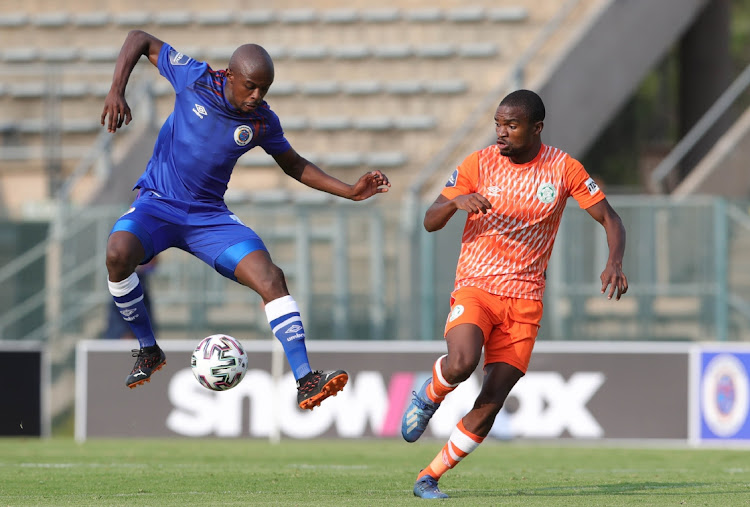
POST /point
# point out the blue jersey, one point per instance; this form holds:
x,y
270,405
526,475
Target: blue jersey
x,y
200,142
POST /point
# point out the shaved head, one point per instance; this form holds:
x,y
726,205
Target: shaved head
x,y
249,76
250,58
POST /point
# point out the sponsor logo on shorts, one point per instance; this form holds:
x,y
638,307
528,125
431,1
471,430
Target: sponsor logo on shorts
x,y
243,135
456,312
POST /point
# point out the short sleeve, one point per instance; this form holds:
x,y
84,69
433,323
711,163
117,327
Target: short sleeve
x,y
275,142
583,188
464,179
179,69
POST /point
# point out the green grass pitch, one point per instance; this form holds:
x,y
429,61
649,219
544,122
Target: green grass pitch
x,y
373,472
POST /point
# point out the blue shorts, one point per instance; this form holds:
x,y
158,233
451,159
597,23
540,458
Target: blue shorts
x,y
211,233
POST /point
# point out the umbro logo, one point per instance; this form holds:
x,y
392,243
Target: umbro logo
x,y
200,111
293,329
493,190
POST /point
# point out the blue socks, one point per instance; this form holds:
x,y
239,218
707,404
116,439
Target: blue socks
x,y
286,324
128,296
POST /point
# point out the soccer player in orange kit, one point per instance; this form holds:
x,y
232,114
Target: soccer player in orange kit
x,y
515,193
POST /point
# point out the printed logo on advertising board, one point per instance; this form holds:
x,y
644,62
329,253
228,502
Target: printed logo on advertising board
x,y
724,396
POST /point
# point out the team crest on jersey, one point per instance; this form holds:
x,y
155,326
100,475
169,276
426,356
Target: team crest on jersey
x,y
177,58
243,135
546,193
453,179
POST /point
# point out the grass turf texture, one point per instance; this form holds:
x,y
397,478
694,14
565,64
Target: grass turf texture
x,y
339,472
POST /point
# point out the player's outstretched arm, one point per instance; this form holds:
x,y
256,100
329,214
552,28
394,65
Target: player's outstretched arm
x,y
443,209
612,276
137,43
304,171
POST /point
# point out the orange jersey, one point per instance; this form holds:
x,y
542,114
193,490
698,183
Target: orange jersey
x,y
506,251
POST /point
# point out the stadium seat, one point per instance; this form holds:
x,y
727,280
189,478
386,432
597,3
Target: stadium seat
x,y
424,15
214,18
339,16
511,14
100,54
384,159
76,89
330,123
32,90
478,50
297,16
320,88
91,19
282,88
415,122
13,19
343,159
20,55
219,53
446,86
410,87
439,50
294,123
80,125
257,17
380,15
470,14
365,87
100,89
134,19
373,123
309,52
173,18
59,54
392,51
351,52
51,19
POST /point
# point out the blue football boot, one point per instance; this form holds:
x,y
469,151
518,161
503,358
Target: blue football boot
x,y
427,487
418,414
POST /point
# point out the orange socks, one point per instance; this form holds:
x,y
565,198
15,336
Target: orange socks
x,y
461,443
439,387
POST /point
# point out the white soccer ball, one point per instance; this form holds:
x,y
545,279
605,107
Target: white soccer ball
x,y
219,362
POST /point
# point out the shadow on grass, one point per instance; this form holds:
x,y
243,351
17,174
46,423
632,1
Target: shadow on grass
x,y
620,488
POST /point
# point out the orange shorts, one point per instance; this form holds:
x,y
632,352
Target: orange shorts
x,y
509,325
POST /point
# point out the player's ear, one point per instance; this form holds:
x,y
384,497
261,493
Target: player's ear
x,y
538,127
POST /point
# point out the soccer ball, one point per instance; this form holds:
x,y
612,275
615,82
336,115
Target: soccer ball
x,y
219,362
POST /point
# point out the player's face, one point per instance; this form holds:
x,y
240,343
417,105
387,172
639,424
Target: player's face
x,y
517,137
245,90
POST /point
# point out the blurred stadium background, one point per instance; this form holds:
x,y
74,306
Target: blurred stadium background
x,y
651,96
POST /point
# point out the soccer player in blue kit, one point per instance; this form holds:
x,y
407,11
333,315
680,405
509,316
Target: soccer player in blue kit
x,y
217,117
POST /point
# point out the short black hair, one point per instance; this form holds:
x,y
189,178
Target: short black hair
x,y
527,100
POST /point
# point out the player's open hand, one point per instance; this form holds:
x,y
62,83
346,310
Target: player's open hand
x,y
615,279
371,183
472,203
116,111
